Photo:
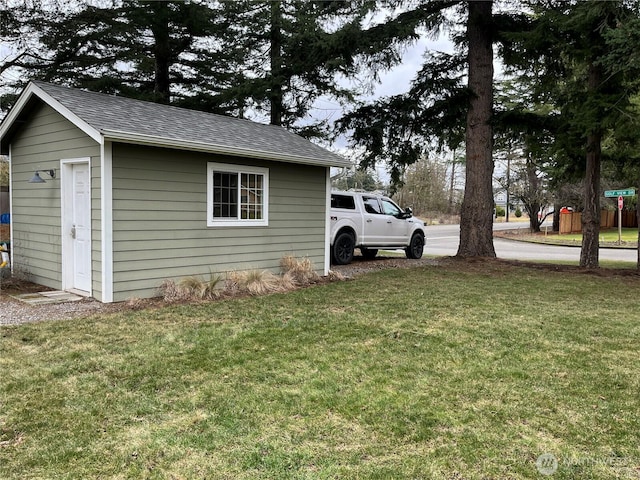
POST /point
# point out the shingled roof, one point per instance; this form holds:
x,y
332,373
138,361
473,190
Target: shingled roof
x,y
120,119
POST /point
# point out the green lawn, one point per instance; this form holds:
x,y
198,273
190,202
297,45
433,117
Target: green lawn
x,y
629,235
458,371
608,238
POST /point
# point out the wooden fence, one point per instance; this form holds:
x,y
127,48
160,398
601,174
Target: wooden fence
x,y
572,222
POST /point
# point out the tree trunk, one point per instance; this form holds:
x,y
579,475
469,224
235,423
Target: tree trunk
x,y
275,39
591,211
476,218
508,189
534,194
162,52
452,182
589,254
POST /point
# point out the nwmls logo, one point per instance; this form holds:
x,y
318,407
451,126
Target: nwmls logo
x,y
547,464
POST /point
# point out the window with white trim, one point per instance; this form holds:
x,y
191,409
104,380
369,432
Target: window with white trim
x,y
237,195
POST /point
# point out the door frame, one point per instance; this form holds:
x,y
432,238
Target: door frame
x,y
66,221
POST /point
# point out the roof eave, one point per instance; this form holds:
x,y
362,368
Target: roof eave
x,y
32,90
151,140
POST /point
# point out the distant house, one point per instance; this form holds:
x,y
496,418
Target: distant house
x,y
137,192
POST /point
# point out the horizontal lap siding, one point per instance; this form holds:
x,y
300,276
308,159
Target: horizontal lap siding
x,y
160,227
45,139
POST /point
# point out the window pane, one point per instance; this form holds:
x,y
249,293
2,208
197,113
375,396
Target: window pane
x,y
371,205
237,195
225,194
251,195
389,208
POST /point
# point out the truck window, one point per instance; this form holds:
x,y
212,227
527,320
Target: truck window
x,y
390,208
343,201
371,205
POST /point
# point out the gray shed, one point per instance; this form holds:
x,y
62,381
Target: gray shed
x,y
136,192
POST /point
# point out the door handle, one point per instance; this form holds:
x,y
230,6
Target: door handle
x,y
389,221
73,232
369,220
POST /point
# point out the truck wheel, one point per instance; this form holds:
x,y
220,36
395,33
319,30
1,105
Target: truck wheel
x,y
343,249
416,246
369,253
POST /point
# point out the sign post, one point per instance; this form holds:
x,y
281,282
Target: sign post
x,y
620,205
627,192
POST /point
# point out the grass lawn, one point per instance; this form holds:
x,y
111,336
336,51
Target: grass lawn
x,y
629,236
459,371
608,238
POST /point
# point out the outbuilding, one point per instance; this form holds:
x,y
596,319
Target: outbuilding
x,y
110,196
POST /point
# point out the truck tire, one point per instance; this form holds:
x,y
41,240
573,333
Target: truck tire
x,y
342,251
416,246
369,253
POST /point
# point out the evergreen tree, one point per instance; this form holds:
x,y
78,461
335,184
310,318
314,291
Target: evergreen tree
x,y
159,51
439,105
295,51
476,216
572,45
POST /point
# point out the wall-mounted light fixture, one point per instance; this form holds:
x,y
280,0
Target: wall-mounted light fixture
x,y
38,179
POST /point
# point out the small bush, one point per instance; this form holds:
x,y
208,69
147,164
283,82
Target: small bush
x,y
254,282
200,288
171,292
500,211
135,303
190,288
518,212
300,271
336,276
295,272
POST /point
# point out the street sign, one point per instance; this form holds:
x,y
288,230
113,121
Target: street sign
x,y
629,192
620,202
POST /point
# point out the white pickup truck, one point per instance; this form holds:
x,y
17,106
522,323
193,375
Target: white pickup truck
x,y
371,222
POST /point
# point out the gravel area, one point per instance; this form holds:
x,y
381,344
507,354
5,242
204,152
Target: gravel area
x,y
381,262
15,312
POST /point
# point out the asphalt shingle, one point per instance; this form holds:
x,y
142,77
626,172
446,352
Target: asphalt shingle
x,y
164,124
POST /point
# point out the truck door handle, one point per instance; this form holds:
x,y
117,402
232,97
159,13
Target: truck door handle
x,y
389,221
369,220
73,232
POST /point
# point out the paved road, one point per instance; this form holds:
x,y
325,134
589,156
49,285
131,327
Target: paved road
x,y
444,239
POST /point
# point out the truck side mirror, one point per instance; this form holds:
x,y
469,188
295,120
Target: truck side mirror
x,y
408,212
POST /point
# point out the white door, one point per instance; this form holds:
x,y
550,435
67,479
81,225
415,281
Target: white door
x,y
397,227
375,223
80,229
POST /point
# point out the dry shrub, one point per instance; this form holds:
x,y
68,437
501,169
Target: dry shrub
x,y
288,281
199,288
135,303
300,270
190,288
296,272
334,276
253,282
171,292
